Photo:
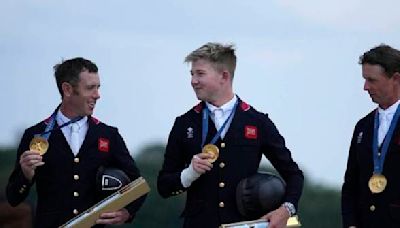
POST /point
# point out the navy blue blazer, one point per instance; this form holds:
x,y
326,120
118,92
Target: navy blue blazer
x,y
360,207
66,183
211,198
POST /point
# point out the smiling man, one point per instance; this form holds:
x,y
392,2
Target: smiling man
x,y
371,189
219,142
63,153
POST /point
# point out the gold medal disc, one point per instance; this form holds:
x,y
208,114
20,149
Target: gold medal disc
x,y
212,150
377,183
39,144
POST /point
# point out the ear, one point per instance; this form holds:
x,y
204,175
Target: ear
x,y
226,75
67,89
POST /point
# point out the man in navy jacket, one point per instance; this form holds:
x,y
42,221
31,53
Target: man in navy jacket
x,y
371,188
241,134
65,175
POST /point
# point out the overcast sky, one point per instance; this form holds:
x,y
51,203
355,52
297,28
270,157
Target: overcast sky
x,y
297,61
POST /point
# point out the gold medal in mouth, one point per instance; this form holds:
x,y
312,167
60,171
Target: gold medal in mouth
x,y
39,144
211,150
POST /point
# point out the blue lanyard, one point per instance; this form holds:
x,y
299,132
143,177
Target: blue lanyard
x,y
379,160
206,112
49,128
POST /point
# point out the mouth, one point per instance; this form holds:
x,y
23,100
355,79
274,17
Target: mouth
x,y
92,105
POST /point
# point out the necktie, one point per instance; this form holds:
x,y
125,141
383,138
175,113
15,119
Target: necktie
x,y
218,118
383,128
75,138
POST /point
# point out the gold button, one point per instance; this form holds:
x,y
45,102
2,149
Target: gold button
x,y
76,194
76,177
222,184
372,208
75,212
76,160
221,165
21,191
222,145
221,204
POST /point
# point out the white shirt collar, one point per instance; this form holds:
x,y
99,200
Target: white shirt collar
x,y
61,119
391,110
228,106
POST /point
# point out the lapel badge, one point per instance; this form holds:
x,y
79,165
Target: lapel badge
x,y
359,137
250,132
189,132
104,145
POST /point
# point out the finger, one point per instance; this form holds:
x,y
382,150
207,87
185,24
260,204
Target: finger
x,y
104,221
205,162
107,215
30,157
39,164
203,156
203,167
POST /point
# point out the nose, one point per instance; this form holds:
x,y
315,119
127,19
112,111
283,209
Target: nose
x,y
194,80
366,86
96,94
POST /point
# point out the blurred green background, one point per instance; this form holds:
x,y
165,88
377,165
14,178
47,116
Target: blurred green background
x,y
319,205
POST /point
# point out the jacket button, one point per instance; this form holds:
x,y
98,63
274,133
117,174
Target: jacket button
x,y
221,204
222,145
221,184
372,208
76,177
75,212
76,194
76,160
221,165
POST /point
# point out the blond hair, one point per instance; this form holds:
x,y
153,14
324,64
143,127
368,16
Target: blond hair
x,y
220,55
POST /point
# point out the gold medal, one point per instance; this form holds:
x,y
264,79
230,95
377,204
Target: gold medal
x,y
39,144
211,150
377,183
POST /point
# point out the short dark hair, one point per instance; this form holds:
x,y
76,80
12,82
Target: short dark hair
x,y
69,70
385,56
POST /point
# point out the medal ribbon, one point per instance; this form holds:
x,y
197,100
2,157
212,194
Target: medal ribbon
x,y
206,112
50,127
379,160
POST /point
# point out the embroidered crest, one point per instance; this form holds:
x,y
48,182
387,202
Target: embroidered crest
x,y
189,132
250,132
359,137
104,145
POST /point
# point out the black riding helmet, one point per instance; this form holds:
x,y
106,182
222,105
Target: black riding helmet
x,y
259,194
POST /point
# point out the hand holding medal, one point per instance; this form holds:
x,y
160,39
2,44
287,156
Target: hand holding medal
x,y
32,158
212,150
39,144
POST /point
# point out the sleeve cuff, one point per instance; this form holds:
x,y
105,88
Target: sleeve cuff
x,y
189,175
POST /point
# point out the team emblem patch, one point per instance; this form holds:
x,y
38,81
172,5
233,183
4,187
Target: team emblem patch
x,y
250,132
104,145
359,137
189,133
